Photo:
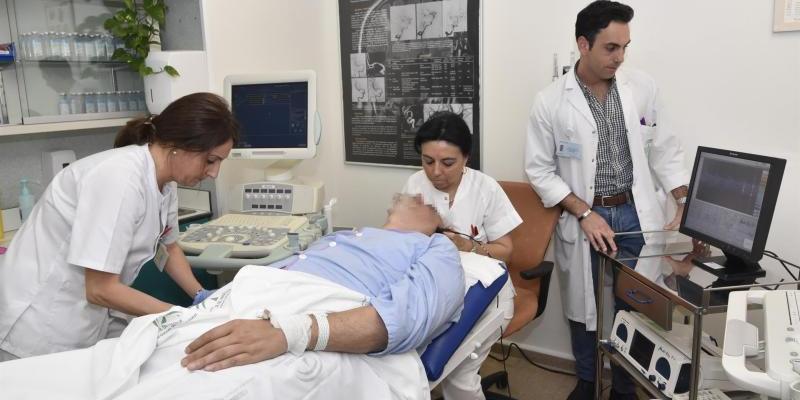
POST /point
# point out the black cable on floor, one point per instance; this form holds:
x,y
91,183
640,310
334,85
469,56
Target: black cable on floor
x,y
525,356
508,377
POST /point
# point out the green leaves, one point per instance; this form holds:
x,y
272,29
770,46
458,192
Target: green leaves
x,y
137,26
171,71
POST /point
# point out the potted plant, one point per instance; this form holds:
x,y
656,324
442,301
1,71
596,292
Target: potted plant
x,y
137,26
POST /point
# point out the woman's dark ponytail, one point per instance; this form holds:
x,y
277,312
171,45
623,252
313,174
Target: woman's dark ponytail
x,y
136,131
196,122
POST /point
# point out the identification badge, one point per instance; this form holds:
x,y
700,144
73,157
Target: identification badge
x,y
161,256
568,149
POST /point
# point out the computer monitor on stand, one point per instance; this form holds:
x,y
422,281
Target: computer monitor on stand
x,y
277,117
731,200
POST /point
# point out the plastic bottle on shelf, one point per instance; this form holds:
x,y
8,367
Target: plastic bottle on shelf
x,y
122,100
111,102
2,229
63,104
26,200
140,100
76,105
102,103
91,51
23,46
45,39
80,47
37,47
90,102
99,47
73,103
133,104
66,46
54,46
108,41
118,44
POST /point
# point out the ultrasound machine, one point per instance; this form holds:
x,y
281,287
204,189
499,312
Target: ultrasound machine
x,y
270,214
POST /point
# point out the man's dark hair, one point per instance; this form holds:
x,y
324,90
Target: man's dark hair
x,y
596,17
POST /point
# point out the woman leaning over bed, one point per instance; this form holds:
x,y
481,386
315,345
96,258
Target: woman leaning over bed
x,y
475,210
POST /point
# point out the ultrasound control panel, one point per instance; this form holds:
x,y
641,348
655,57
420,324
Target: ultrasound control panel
x,y
250,236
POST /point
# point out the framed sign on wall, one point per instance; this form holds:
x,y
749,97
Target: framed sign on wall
x,y
403,61
787,16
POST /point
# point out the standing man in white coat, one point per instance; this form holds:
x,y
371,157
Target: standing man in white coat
x,y
592,145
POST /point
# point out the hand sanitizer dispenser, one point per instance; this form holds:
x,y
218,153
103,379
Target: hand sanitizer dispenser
x,y
26,199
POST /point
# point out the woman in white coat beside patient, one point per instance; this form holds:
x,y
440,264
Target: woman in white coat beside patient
x,y
99,221
474,208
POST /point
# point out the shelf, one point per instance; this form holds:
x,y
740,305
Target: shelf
x,y
65,61
615,357
9,130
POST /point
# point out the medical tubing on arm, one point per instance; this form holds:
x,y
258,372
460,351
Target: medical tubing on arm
x,y
323,331
296,329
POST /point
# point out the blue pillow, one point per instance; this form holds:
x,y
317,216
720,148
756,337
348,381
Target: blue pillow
x,y
442,348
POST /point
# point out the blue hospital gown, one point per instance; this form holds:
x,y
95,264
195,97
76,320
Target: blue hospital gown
x,y
414,281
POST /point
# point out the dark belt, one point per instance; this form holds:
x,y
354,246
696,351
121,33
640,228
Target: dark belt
x,y
613,200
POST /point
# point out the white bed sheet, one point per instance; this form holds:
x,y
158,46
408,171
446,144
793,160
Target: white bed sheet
x,y
144,363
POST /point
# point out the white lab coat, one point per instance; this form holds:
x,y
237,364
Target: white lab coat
x,y
561,114
479,201
103,212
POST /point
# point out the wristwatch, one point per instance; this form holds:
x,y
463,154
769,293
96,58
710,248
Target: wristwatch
x,y
584,215
681,200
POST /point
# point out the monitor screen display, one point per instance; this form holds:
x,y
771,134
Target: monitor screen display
x,y
271,115
642,349
727,199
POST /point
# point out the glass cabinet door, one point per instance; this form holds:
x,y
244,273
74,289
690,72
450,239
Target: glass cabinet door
x,y
63,62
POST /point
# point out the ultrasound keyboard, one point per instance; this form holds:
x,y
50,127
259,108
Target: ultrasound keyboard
x,y
251,236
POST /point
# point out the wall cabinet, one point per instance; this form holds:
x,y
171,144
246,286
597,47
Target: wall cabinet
x,y
62,76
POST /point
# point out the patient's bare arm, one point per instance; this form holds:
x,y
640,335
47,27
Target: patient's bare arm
x,y
360,330
243,341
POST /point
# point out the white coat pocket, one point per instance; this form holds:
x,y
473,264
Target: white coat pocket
x,y
567,229
648,135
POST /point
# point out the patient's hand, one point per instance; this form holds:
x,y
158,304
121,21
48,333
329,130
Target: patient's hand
x,y
234,343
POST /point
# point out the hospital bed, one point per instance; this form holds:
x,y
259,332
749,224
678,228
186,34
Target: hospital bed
x,y
85,373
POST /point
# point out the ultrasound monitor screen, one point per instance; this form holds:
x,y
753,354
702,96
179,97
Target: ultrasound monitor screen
x,y
727,199
271,115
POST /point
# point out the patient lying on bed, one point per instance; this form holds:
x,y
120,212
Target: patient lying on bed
x,y
381,292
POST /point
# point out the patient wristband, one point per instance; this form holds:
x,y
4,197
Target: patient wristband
x,y
323,331
296,329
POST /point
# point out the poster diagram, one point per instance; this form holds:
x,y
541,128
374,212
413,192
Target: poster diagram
x,y
403,61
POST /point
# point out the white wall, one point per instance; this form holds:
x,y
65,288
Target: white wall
x,y
726,79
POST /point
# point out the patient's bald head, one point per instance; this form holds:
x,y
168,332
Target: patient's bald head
x,y
411,213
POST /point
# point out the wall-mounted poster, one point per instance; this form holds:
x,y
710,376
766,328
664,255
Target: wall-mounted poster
x,y
403,61
787,16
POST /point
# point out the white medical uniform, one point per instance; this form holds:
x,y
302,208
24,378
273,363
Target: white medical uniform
x,y
561,117
479,201
103,212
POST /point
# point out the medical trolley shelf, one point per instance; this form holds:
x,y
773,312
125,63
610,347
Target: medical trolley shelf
x,y
654,286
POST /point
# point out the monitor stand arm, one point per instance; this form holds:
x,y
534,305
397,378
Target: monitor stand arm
x,y
734,268
280,171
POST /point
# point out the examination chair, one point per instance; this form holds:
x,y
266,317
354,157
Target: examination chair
x,y
529,273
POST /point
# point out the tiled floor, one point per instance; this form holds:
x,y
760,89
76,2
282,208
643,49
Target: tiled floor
x,y
528,382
